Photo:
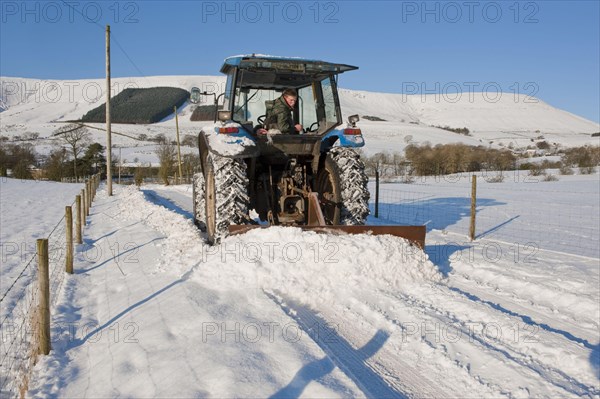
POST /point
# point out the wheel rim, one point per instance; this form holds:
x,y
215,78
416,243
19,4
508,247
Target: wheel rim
x,y
210,194
329,196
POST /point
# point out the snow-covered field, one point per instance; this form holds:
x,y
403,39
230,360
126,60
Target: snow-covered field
x,y
152,311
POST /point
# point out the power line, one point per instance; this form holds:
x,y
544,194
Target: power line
x,y
112,36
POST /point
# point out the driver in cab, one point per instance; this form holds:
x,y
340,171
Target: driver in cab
x,y
280,115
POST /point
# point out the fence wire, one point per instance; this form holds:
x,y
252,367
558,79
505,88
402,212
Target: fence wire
x,y
559,220
19,342
18,346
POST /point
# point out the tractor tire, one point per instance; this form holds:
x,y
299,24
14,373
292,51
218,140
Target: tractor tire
x,y
199,201
226,195
342,187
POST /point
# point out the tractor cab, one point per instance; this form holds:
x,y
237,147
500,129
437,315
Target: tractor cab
x,y
254,82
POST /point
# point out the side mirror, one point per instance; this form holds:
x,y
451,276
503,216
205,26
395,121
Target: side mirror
x,y
195,94
352,119
224,116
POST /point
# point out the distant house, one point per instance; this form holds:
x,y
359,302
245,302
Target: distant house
x,y
37,173
535,153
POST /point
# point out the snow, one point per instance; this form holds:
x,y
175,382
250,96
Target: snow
x,y
28,210
225,144
152,310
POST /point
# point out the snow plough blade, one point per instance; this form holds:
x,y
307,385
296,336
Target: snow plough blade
x,y
414,234
316,222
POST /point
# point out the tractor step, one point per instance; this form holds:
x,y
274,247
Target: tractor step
x,y
414,234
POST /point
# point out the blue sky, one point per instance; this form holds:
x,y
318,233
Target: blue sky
x,y
549,49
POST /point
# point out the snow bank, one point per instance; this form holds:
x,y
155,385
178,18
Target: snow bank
x,y
314,268
285,259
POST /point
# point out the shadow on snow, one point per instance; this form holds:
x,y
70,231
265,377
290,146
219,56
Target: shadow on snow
x,y
155,198
339,353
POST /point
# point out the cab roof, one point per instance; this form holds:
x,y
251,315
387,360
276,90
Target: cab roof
x,y
259,62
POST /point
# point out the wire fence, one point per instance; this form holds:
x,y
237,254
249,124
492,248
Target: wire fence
x,y
18,344
562,218
19,327
20,310
72,179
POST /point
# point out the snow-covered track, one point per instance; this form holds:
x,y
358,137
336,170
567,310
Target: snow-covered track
x,y
373,379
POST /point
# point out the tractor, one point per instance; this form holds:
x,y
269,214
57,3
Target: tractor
x,y
314,179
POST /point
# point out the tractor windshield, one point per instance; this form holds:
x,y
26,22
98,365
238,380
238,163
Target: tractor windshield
x,y
317,107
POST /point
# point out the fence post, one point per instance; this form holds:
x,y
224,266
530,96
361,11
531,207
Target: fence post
x,y
44,303
89,196
473,206
376,193
69,239
78,239
83,207
85,203
92,188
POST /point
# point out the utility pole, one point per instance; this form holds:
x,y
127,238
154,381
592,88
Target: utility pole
x,y
120,163
178,146
108,135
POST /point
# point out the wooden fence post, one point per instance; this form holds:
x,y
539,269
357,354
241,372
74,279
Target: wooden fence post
x,y
85,202
89,196
44,303
78,238
83,215
69,239
92,188
89,189
376,193
473,206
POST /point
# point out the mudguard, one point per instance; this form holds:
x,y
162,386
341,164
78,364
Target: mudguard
x,y
344,140
240,144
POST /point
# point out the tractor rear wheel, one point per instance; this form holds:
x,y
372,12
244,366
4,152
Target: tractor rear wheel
x,y
226,195
198,198
342,187
328,187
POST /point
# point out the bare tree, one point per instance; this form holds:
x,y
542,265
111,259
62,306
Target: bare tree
x,y
166,156
377,163
77,137
399,163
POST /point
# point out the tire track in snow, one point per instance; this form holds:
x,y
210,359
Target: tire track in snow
x,y
420,309
536,314
353,362
412,373
539,313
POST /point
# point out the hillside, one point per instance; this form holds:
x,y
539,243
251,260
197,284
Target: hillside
x,y
39,105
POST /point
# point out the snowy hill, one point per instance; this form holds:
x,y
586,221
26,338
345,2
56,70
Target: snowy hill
x,y
32,105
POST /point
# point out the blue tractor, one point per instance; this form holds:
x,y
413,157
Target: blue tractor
x,y
314,179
